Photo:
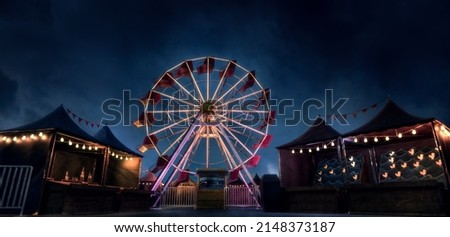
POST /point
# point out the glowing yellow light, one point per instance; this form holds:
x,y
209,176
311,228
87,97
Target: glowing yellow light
x,y
117,156
113,154
301,150
400,135
44,137
77,146
126,158
293,151
387,138
90,148
70,143
41,134
355,140
131,158
4,139
309,150
325,146
121,158
62,139
414,132
332,143
8,140
32,136
84,147
375,139
317,148
95,148
15,139
24,138
365,140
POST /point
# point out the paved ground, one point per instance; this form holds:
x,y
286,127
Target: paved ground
x,y
230,212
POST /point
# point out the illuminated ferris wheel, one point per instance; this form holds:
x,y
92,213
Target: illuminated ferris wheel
x,y
205,112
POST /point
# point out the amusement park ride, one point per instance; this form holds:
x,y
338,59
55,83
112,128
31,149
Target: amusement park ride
x,y
205,113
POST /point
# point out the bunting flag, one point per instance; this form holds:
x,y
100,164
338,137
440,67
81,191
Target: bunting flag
x,y
229,71
151,98
184,70
355,113
263,143
149,142
161,163
253,162
251,78
166,81
79,119
146,118
204,67
270,119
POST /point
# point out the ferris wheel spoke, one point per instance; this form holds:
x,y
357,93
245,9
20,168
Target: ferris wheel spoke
x,y
172,125
233,86
183,88
236,139
242,97
222,78
175,99
243,125
229,158
194,82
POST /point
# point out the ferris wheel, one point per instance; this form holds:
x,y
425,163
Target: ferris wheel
x,y
205,112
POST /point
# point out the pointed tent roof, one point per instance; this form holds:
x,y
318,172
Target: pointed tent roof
x,y
107,137
390,116
319,131
59,120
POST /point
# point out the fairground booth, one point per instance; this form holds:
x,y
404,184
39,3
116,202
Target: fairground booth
x,y
70,171
395,164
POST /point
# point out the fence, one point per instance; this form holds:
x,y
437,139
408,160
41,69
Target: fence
x,y
182,196
236,196
186,196
14,184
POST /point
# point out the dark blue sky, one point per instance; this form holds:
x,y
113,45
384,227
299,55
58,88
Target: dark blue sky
x,y
81,53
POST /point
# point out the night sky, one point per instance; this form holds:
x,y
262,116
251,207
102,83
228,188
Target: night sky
x,y
81,53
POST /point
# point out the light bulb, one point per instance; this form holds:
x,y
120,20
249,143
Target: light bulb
x,y
355,140
90,148
131,158
4,138
325,146
414,132
62,139
113,154
375,139
41,134
24,138
32,136
301,150
70,143
77,146
332,143
387,138
400,135
84,147
15,139
293,151
317,148
95,148
365,140
309,150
